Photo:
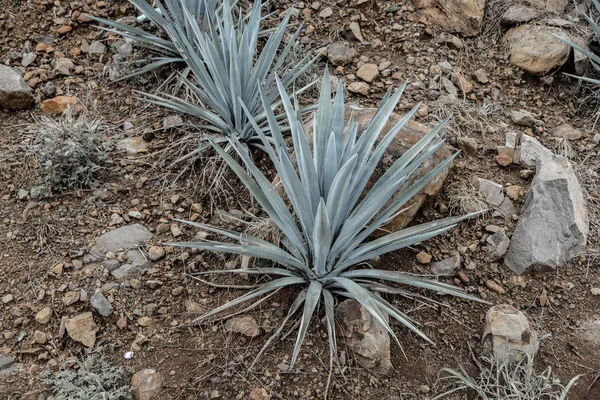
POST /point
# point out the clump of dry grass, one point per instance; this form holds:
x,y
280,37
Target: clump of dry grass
x,y
463,198
468,118
69,150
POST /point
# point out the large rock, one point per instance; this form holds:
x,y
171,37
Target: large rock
x,y
463,16
125,237
366,338
82,329
534,49
14,92
509,334
408,136
554,225
147,384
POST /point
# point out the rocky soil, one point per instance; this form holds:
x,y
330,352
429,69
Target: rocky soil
x,y
91,270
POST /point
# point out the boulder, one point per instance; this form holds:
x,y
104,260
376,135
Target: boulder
x,y
125,237
147,384
518,14
554,225
509,334
82,329
340,54
534,49
366,338
462,16
408,136
14,92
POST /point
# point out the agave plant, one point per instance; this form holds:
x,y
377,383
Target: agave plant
x,y
326,235
165,17
594,58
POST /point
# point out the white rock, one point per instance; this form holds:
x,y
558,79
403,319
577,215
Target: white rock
x,y
531,149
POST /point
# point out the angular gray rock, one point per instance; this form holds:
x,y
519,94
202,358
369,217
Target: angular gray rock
x,y
447,266
498,245
125,237
127,271
100,304
531,149
509,334
14,92
554,225
491,191
366,338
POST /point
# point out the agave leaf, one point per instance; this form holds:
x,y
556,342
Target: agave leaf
x,y
329,304
313,296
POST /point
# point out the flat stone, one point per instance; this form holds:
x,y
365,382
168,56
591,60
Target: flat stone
x,y
356,32
125,237
447,266
59,104
523,118
359,87
246,326
127,271
534,49
566,131
15,94
82,329
553,225
100,304
518,14
509,334
491,191
7,365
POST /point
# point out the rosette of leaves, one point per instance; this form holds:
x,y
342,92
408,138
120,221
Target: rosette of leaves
x,y
330,213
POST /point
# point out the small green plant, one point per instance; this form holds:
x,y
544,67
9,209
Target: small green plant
x,y
325,238
94,379
69,149
504,381
594,58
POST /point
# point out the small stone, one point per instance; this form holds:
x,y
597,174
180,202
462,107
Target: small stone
x,y
82,328
518,14
340,54
145,321
595,291
356,32
28,59
259,394
596,138
147,384
494,287
175,230
515,192
523,118
368,72
162,228
122,323
447,266
468,145
155,253
58,105
64,29
100,304
326,12
491,191
480,76
15,94
504,160
7,298
246,326
58,269
359,87
214,394
498,245
424,258
526,173
43,316
517,280
126,271
97,48
463,83
71,298
40,337
509,334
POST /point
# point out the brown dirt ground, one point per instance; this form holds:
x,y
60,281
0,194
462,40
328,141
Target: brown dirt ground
x,y
198,360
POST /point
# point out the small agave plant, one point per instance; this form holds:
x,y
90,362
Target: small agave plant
x,y
167,15
594,58
326,234
227,70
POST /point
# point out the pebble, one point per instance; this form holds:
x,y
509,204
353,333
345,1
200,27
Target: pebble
x,y
368,72
7,298
100,304
43,316
155,253
424,258
175,230
359,87
494,287
40,337
326,12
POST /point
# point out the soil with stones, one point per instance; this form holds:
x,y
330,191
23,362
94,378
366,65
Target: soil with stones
x,y
44,241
